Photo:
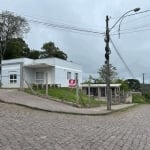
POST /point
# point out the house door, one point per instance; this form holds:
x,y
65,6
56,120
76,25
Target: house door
x,y
13,79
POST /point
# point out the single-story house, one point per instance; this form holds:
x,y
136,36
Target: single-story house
x,y
22,72
99,91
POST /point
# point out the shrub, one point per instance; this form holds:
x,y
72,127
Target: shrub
x,y
147,97
137,98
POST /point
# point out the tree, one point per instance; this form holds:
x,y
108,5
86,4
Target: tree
x,y
34,54
134,84
89,80
16,48
50,50
103,73
124,84
11,26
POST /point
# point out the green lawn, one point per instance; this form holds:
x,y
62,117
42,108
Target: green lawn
x,y
69,95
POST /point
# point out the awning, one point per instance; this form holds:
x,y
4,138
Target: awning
x,y
38,65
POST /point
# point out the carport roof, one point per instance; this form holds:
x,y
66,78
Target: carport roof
x,y
100,85
38,65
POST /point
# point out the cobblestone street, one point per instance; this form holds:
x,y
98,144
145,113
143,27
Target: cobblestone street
x,y
25,129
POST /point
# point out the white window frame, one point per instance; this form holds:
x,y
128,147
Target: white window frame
x,y
76,76
68,75
39,77
12,77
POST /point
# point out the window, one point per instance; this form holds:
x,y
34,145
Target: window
x,y
76,76
13,78
39,77
68,75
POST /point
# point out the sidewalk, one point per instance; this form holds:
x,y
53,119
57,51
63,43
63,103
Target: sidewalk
x,y
31,101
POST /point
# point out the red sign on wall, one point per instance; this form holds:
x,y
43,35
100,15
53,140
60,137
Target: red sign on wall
x,y
72,83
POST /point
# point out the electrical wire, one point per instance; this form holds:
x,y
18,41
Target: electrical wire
x,y
80,30
66,27
121,58
61,26
129,32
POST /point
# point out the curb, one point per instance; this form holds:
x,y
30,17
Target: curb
x,y
71,113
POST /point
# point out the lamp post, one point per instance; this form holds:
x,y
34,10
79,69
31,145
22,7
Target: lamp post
x,y
107,49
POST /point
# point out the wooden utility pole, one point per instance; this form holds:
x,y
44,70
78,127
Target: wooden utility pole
x,y
107,49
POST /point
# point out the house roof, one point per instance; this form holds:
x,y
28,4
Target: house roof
x,y
100,85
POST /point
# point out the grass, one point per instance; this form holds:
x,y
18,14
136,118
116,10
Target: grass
x,y
69,96
137,98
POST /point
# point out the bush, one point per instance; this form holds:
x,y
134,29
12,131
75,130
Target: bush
x,y
147,97
137,98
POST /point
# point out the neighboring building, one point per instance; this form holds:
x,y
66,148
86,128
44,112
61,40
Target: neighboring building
x,y
99,91
19,73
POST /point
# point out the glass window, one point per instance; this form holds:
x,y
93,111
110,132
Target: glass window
x,y
76,76
13,78
39,77
68,75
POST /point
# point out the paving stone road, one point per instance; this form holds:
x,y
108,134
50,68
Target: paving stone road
x,y
26,129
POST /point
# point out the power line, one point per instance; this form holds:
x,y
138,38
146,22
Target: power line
x,y
66,27
84,30
126,66
80,30
61,26
138,27
129,32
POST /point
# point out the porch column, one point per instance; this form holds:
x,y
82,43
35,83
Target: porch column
x,y
21,77
105,92
46,75
115,93
119,93
99,92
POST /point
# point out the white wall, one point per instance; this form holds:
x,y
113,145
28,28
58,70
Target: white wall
x,y
61,76
6,71
57,72
30,74
26,61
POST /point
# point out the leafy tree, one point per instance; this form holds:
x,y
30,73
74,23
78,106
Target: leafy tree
x,y
89,80
134,84
124,84
11,27
104,73
50,50
34,54
16,48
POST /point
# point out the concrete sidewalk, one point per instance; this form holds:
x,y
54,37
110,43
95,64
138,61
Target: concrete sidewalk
x,y
31,101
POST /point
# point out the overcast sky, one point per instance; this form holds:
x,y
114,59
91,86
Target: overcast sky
x,y
84,48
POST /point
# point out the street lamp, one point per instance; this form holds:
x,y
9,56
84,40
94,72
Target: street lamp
x,y
107,49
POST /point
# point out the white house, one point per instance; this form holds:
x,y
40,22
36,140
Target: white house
x,y
18,73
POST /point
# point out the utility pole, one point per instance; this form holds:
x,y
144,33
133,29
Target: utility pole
x,y
107,49
143,83
77,91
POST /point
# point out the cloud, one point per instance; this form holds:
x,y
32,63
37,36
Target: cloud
x,y
89,49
